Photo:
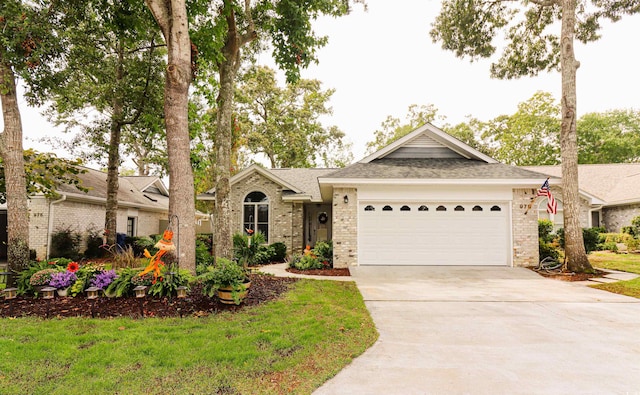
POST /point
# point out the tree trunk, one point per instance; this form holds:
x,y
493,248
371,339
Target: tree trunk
x,y
576,257
171,16
15,177
113,164
228,70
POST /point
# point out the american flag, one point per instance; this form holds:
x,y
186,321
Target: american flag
x,y
545,190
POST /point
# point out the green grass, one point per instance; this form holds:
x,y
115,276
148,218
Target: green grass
x,y
623,262
292,345
609,260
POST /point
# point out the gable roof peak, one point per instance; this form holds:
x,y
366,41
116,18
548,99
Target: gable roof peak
x,y
428,142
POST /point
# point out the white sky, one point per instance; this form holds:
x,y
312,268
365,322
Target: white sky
x,y
381,61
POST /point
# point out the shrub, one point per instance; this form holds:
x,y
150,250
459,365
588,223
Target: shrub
x,y
279,251
171,278
145,243
203,253
305,262
545,230
65,243
94,245
225,273
245,251
263,256
547,250
590,236
611,246
324,251
41,277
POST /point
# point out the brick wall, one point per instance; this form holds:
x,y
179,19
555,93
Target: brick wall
x,y
285,218
525,228
615,218
83,218
345,227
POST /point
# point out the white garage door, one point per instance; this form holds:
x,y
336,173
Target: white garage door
x,y
433,234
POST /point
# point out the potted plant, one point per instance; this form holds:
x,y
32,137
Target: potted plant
x,y
61,281
227,280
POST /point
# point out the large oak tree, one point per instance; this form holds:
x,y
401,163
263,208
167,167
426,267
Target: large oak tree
x,y
470,28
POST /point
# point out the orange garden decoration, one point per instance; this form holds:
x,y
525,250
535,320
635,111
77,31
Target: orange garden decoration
x,y
155,263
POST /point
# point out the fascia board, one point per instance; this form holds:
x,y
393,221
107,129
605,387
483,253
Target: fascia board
x,y
432,181
265,173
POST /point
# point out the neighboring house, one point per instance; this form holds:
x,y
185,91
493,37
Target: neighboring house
x,y
426,199
610,195
143,207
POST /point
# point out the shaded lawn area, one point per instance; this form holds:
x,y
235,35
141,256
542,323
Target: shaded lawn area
x,y
623,262
291,345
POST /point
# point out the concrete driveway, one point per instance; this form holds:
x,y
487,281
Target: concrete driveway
x,y
484,330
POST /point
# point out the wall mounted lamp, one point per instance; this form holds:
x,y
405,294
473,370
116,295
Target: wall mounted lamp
x,y
346,198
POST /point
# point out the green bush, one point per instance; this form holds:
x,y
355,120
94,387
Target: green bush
x,y
547,250
203,253
225,273
245,251
305,262
324,251
94,245
611,246
545,230
264,255
171,279
279,251
591,237
65,243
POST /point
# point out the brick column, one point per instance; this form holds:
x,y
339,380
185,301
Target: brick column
x,y
525,228
345,227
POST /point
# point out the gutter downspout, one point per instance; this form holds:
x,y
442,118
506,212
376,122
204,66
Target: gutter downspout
x,y
50,225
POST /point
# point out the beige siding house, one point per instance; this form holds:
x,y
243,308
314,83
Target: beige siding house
x,y
426,199
143,203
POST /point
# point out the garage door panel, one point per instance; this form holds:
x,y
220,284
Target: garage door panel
x,y
433,237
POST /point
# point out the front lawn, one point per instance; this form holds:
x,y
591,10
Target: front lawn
x,y
292,345
623,262
610,260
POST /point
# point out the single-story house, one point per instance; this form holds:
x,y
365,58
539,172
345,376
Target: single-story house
x,y
610,194
426,199
143,209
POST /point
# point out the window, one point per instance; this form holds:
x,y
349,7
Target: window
x,y
131,226
369,208
496,208
423,208
387,208
441,208
255,214
458,208
557,218
476,208
405,208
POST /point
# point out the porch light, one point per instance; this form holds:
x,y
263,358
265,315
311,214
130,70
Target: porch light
x,y
92,293
47,292
10,293
346,199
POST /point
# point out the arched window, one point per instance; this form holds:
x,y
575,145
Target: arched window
x,y
387,208
458,208
476,208
557,218
423,208
369,208
441,208
255,214
405,208
496,208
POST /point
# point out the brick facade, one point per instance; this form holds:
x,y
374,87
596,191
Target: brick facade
x,y
524,222
345,227
83,218
616,217
285,218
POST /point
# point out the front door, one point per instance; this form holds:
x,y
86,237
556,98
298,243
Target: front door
x,y
317,223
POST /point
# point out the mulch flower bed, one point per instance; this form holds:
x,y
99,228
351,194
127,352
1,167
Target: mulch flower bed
x,y
569,276
322,272
263,288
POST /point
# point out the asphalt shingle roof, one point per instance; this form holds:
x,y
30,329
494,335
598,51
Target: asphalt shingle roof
x,y
427,168
128,191
613,182
305,180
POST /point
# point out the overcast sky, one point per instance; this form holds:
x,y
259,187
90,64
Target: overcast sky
x,y
381,61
